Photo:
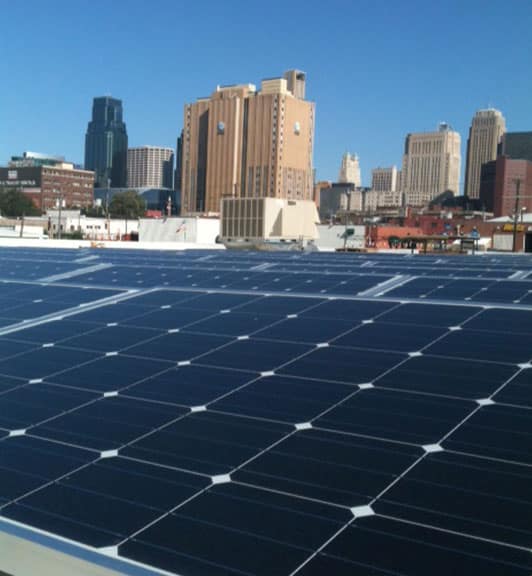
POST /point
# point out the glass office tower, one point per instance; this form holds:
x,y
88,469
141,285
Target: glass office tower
x,y
106,143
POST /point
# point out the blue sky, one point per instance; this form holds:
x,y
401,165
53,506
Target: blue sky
x,y
377,69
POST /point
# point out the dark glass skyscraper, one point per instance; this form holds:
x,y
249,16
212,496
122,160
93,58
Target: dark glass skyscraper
x,y
106,143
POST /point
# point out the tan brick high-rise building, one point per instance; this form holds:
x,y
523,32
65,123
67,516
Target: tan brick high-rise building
x,y
485,134
242,142
431,165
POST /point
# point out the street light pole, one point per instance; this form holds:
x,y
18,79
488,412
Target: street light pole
x,y
107,208
516,214
59,216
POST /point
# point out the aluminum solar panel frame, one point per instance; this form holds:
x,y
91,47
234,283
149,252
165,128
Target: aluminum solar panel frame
x,y
231,414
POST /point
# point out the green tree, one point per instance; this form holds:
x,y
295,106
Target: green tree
x,y
127,205
14,204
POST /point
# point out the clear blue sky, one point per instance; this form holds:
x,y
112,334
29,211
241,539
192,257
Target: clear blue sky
x,y
377,69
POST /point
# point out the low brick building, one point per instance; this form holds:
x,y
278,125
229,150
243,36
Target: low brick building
x,y
48,185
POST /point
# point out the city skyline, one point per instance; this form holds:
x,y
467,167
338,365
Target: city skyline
x,y
396,89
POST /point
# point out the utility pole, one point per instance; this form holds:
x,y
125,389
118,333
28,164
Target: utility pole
x,y
60,201
107,208
516,213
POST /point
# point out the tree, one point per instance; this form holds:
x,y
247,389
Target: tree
x,y
127,205
15,204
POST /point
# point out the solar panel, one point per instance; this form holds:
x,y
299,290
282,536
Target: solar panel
x,y
237,414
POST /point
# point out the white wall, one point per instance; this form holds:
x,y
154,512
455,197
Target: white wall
x,y
330,237
179,230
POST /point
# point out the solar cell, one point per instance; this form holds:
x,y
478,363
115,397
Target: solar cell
x,y
53,331
254,354
102,504
465,495
347,365
483,345
435,375
110,373
496,432
272,534
415,418
27,405
433,316
518,391
281,398
108,423
29,463
329,467
207,443
386,336
111,338
42,362
376,546
190,385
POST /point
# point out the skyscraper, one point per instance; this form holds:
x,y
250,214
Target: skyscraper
x,y
106,143
485,135
350,170
431,165
247,143
150,167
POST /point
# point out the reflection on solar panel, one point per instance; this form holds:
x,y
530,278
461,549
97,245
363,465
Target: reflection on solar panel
x,y
240,414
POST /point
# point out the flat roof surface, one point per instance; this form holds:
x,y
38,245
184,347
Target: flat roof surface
x,y
251,413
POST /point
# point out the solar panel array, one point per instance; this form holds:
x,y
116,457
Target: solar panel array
x,y
226,413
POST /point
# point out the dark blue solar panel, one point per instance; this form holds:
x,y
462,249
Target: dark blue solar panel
x,y
242,431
